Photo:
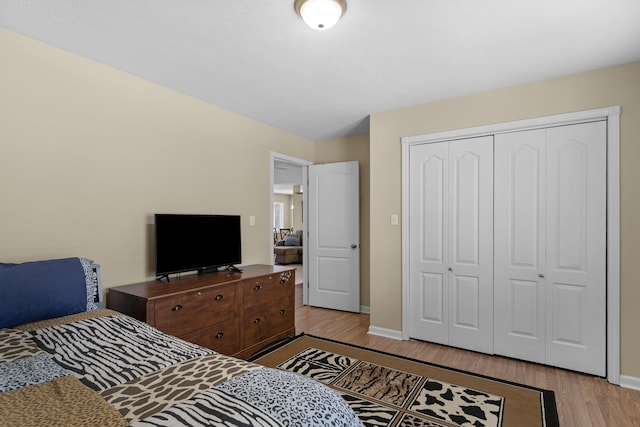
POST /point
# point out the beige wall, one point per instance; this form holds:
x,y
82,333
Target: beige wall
x,y
296,213
292,216
348,149
601,88
89,153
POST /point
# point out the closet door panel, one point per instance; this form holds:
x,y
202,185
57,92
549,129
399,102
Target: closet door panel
x,y
465,179
576,242
569,188
519,214
466,297
431,294
432,206
428,226
471,243
524,314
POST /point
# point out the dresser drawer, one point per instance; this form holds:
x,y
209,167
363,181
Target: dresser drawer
x,y
267,321
181,314
222,337
266,289
235,313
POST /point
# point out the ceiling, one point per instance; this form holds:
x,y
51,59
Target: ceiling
x,y
257,57
285,176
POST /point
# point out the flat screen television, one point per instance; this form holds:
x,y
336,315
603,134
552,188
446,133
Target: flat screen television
x,y
187,242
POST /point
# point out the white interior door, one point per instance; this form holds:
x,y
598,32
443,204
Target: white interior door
x,y
334,236
550,246
429,242
576,247
471,243
519,242
451,235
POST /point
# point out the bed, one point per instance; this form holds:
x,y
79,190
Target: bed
x,y
99,367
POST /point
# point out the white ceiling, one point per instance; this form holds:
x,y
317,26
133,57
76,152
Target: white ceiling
x,y
285,176
257,57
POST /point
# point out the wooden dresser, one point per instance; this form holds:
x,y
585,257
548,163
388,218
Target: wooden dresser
x,y
234,313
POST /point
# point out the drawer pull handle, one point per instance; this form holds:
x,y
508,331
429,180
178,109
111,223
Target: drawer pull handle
x,y
177,308
256,321
199,293
219,335
282,311
257,287
219,297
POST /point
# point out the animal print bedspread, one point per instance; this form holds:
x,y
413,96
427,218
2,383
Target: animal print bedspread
x,y
114,370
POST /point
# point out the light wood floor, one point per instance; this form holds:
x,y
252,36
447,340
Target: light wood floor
x,y
582,400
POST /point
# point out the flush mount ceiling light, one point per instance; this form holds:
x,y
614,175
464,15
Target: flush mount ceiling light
x,y
320,14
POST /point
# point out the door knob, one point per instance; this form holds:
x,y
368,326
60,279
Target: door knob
x,y
450,269
541,275
354,246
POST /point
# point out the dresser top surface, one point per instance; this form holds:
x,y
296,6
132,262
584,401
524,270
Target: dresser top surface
x,y
161,288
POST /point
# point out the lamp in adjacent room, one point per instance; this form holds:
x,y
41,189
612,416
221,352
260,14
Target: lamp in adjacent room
x,y
320,14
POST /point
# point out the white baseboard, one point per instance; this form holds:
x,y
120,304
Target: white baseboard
x,y
365,309
388,333
630,382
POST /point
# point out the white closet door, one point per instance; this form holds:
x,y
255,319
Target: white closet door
x,y
550,246
471,243
428,241
451,243
576,247
519,212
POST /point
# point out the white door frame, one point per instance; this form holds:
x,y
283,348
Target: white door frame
x,y
612,115
305,214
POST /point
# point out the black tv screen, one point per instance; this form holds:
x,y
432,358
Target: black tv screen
x,y
196,242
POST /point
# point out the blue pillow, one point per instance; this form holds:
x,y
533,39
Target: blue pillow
x,y
40,290
291,241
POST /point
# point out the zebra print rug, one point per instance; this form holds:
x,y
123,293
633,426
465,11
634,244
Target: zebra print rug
x,y
388,390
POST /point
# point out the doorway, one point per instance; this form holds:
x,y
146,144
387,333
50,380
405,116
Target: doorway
x,y
288,213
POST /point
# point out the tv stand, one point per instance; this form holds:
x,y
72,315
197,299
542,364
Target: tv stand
x,y
234,313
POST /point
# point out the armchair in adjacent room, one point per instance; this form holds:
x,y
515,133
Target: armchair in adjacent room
x,y
289,249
